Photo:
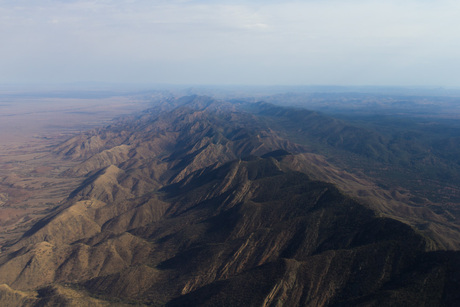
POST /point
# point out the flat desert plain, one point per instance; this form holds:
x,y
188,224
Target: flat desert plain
x,y
31,183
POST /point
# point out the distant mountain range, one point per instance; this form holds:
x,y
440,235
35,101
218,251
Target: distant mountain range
x,y
203,202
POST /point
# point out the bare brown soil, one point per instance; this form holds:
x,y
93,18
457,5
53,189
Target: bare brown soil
x,y
30,181
199,205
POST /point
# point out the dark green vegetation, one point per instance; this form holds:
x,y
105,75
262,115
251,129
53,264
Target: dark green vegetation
x,y
198,202
421,154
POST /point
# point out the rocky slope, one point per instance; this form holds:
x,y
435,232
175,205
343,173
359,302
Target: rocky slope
x,y
201,203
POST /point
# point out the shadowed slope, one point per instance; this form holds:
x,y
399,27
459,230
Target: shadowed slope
x,y
205,205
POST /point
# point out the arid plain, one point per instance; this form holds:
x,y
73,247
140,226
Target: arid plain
x,y
204,202
30,181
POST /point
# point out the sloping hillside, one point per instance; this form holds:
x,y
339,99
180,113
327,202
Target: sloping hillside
x,y
205,204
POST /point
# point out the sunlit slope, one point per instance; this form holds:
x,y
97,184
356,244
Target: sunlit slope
x,y
205,204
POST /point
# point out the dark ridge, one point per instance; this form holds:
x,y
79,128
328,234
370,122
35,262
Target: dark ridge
x,y
277,154
243,290
239,226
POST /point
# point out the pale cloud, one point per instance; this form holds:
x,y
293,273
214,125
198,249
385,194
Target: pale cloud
x,y
289,42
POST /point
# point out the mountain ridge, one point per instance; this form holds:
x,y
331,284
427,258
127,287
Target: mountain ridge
x,y
202,203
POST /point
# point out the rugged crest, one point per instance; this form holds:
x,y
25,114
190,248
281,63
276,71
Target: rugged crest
x,y
204,204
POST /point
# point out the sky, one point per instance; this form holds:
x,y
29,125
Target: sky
x,y
310,42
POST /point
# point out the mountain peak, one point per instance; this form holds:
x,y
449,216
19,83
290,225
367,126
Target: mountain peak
x,y
207,202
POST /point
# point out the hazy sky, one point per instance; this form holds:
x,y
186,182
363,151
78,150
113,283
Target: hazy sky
x,y
311,42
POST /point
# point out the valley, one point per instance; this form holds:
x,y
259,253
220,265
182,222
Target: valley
x,y
30,179
197,201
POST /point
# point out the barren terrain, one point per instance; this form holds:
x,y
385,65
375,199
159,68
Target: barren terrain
x,y
30,181
204,202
